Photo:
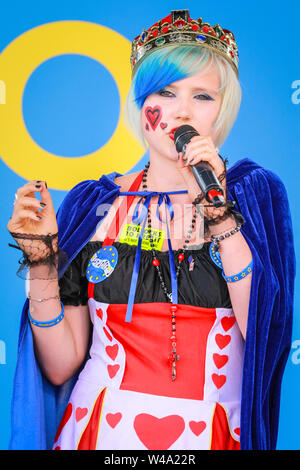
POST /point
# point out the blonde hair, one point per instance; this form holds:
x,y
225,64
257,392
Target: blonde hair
x,y
173,63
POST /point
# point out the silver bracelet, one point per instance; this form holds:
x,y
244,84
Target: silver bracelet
x,y
42,300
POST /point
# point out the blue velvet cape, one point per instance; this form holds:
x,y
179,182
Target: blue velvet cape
x,y
37,405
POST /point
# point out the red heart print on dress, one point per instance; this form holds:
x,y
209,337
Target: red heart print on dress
x,y
113,419
99,313
80,413
220,360
153,116
228,322
158,433
237,431
197,427
112,370
219,380
112,351
222,340
66,416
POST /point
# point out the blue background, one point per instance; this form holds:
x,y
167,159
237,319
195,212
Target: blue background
x,y
266,130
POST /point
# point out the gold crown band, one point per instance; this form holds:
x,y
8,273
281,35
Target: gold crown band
x,y
179,29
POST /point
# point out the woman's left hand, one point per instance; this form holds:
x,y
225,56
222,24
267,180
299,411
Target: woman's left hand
x,y
202,149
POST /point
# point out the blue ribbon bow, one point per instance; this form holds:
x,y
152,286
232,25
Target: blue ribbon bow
x,y
141,219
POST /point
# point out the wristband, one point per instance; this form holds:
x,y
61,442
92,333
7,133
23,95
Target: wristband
x,y
216,258
46,324
241,275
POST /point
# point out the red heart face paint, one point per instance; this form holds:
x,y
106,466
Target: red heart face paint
x,y
163,125
153,116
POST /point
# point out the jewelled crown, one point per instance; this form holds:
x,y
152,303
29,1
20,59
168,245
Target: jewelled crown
x,y
179,29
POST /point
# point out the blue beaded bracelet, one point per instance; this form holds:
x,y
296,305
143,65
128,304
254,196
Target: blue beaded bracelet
x,y
46,324
215,256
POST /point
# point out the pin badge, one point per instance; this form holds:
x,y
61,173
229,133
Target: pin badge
x,y
192,263
102,264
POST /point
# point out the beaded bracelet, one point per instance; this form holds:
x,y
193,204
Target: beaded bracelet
x,y
215,240
46,324
215,256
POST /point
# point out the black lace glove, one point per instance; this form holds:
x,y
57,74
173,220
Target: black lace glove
x,y
39,250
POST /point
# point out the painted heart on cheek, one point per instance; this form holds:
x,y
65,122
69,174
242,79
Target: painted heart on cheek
x,y
153,116
163,125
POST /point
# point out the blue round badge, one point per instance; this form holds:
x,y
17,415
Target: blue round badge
x,y
102,264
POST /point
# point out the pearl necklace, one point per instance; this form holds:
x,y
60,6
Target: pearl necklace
x,y
174,357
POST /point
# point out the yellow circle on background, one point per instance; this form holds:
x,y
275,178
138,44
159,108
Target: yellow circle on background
x,y
18,61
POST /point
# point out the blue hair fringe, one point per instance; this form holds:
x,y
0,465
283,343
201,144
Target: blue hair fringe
x,y
162,68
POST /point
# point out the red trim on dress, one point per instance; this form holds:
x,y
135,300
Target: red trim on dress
x,y
117,222
221,440
122,211
89,437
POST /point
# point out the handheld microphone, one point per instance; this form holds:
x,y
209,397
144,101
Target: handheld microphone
x,y
205,176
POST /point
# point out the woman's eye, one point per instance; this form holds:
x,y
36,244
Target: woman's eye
x,y
204,97
165,93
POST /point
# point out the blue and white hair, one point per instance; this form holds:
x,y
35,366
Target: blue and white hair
x,y
170,64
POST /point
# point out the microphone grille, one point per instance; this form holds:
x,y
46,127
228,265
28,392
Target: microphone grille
x,y
183,135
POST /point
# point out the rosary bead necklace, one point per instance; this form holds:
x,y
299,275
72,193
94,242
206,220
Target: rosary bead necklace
x,y
174,357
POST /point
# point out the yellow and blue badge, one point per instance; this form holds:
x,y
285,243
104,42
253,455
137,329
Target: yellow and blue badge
x,y
102,264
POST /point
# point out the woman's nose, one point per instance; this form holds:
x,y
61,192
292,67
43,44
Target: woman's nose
x,y
183,110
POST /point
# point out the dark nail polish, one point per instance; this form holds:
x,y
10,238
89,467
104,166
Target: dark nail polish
x,y
46,185
42,204
38,186
39,217
38,181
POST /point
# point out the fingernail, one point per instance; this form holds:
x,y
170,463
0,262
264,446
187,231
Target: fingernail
x,y
39,217
46,185
42,204
38,181
38,186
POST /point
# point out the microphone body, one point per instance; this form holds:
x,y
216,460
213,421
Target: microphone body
x,y
204,175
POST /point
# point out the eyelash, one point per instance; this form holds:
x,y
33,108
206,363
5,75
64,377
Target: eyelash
x,y
169,93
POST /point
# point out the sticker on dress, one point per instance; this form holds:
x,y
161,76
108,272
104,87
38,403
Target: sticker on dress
x,y
102,264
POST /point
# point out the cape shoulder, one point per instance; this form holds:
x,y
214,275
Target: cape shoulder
x,y
81,202
245,168
88,191
262,199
